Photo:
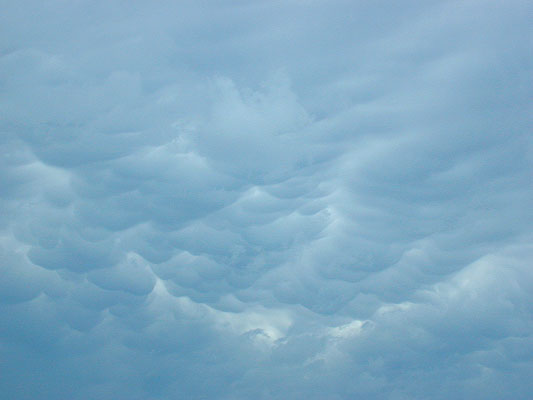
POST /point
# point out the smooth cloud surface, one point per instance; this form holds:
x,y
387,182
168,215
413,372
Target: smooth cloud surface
x,y
271,200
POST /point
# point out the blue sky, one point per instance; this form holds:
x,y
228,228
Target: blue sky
x,y
300,199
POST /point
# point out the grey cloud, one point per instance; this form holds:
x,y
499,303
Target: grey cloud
x,y
272,200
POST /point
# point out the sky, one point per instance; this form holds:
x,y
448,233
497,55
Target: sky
x,y
261,199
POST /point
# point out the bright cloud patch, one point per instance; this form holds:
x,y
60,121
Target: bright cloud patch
x,y
271,200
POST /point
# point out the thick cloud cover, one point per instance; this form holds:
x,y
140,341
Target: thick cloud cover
x,y
297,199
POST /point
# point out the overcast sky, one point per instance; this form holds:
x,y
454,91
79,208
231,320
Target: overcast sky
x,y
297,199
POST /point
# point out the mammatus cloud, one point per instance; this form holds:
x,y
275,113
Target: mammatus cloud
x,y
272,200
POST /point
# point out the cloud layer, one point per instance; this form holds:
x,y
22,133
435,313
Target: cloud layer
x,y
271,200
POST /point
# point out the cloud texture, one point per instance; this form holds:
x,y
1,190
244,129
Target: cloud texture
x,y
297,199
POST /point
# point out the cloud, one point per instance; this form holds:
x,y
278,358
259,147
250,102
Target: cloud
x,y
272,200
